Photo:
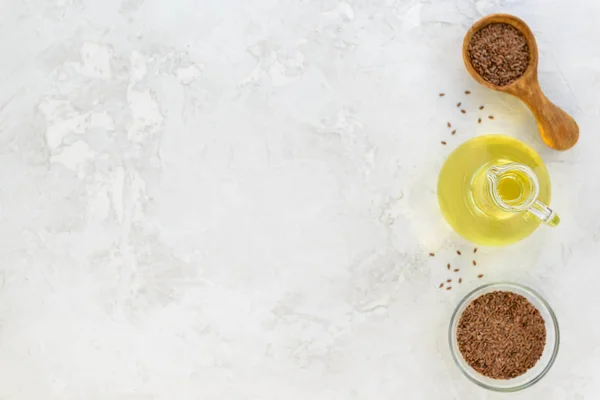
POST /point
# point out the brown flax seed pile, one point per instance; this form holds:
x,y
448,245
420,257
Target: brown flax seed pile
x,y
501,335
499,53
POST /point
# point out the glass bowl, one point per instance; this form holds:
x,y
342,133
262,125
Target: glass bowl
x,y
535,373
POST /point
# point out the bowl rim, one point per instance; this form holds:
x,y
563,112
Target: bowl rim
x,y
506,285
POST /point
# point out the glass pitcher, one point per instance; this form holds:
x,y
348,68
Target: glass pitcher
x,y
503,190
495,190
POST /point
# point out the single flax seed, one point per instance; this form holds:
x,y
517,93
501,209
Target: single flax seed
x,y
479,121
467,92
480,276
442,285
456,270
463,111
475,250
474,263
459,280
449,288
448,280
448,265
458,252
458,104
491,117
449,125
443,142
481,107
454,131
431,254
442,94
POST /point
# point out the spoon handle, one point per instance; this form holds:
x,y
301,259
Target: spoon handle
x,y
557,128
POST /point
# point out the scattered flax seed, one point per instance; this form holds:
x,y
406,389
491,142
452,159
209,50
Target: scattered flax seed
x,y
474,263
442,94
458,252
449,288
449,125
448,280
448,265
444,143
459,280
431,254
475,250
458,104
454,131
480,276
481,107
467,92
463,111
479,121
456,270
491,117
442,285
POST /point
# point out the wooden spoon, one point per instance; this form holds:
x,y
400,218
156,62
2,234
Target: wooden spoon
x,y
557,128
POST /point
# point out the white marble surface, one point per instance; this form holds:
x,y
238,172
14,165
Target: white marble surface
x,y
234,199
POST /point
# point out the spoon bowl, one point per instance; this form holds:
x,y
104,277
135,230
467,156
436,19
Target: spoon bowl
x,y
557,128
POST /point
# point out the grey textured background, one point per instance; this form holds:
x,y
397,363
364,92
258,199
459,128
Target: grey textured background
x,y
233,199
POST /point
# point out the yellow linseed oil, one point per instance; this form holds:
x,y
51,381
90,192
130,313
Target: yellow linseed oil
x,y
463,192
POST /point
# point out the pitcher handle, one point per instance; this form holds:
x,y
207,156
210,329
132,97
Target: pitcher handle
x,y
544,213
